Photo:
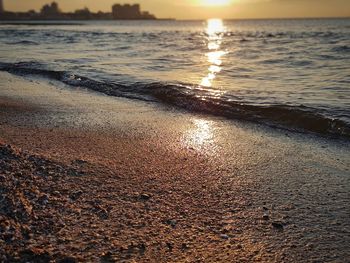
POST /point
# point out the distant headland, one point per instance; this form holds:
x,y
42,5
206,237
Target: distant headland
x,y
53,12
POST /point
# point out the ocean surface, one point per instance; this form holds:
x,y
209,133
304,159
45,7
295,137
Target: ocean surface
x,y
293,74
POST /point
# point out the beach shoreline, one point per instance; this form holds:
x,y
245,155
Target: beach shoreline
x,y
120,180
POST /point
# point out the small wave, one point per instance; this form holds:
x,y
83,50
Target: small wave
x,y
301,63
335,36
197,99
23,42
273,61
341,49
34,23
244,40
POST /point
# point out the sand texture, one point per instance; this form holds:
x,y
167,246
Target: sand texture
x,y
89,178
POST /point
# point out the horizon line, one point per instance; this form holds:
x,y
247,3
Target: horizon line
x,y
265,18
203,19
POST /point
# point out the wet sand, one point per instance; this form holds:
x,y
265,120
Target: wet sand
x,y
86,177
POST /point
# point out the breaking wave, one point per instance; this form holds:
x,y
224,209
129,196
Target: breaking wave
x,y
195,98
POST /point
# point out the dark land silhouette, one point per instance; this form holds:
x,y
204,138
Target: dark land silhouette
x,y
130,12
53,12
1,7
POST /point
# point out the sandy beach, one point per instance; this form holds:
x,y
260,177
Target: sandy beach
x,y
91,178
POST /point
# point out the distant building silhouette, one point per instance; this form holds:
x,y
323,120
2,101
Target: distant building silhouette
x,y
83,14
126,11
2,10
130,12
50,10
53,12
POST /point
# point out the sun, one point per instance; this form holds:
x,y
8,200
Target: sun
x,y
215,2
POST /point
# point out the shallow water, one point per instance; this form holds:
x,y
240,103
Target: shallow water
x,y
294,73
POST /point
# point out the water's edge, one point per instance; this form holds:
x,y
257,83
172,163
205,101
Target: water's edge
x,y
196,99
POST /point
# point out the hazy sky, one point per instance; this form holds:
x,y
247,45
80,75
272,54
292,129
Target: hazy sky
x,y
197,9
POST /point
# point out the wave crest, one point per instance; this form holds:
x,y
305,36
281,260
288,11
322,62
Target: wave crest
x,y
196,99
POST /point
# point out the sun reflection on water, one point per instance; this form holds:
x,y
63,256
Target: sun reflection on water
x,y
215,31
201,136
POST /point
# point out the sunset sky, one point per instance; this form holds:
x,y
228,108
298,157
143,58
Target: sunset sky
x,y
199,9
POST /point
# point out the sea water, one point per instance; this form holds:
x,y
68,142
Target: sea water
x,y
289,73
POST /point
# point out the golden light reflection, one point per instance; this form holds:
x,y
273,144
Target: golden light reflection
x,y
215,57
215,31
201,134
215,26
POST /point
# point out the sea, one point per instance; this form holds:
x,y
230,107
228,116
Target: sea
x,y
287,73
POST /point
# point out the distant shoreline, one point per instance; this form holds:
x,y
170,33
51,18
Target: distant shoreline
x,y
167,19
64,21
69,19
